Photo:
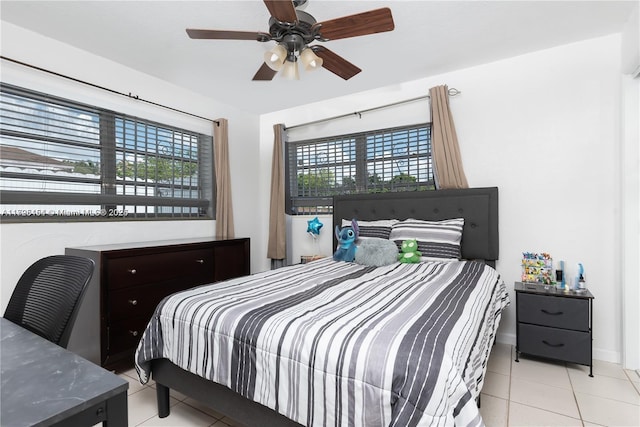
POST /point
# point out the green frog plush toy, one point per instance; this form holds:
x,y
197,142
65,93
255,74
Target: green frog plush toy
x,y
410,253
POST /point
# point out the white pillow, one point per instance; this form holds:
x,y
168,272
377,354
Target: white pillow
x,y
380,229
436,239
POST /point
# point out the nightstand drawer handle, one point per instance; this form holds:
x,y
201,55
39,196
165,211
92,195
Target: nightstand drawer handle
x,y
200,261
134,333
133,301
556,313
132,271
553,345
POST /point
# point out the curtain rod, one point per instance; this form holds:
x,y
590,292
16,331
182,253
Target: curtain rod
x,y
452,92
128,95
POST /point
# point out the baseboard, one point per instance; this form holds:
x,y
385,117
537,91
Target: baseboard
x,y
509,339
607,355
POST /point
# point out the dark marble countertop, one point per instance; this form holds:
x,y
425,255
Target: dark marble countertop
x,y
42,383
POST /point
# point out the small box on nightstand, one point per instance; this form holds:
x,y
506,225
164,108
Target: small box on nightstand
x,y
308,258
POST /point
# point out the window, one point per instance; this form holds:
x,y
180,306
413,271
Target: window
x,y
64,160
397,159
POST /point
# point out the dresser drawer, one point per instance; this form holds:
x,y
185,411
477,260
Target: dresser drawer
x,y
137,301
561,344
125,272
125,335
566,313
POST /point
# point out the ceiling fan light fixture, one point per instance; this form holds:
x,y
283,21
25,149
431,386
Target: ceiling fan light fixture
x,y
275,58
290,70
310,60
293,30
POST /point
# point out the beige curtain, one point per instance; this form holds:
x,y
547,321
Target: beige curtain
x,y
277,243
224,205
448,171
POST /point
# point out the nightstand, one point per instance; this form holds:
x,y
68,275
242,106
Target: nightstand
x,y
554,323
308,258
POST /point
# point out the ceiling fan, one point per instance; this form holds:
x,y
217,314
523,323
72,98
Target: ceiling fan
x,y
294,29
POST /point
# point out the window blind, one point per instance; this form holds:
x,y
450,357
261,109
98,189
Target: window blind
x,y
60,159
394,159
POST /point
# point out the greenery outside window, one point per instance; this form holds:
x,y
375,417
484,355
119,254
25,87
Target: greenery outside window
x,y
396,159
62,160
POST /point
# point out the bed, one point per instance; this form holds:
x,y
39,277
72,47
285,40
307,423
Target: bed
x,y
342,344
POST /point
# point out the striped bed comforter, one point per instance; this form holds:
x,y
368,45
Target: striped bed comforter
x,y
340,344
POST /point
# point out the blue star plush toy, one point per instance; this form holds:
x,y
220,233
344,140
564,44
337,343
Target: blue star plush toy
x,y
347,237
314,226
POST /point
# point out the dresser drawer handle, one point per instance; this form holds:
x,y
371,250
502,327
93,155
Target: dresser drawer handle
x,y
132,271
133,301
555,313
553,345
200,261
134,333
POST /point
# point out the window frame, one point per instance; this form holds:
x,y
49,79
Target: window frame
x,y
40,206
296,204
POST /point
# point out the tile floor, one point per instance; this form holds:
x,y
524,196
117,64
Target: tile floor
x,y
529,393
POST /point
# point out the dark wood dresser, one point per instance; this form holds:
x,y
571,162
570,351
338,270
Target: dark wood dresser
x,y
131,279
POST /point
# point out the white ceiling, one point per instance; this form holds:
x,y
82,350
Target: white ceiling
x,y
430,37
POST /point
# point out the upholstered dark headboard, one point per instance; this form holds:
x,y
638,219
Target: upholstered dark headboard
x,y
478,206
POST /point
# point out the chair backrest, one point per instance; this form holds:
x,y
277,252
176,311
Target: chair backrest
x,y
48,295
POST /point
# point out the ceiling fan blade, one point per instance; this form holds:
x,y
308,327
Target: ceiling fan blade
x,y
335,63
265,73
228,35
360,24
282,10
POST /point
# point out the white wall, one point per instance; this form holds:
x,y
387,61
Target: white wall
x,y
21,244
630,187
545,129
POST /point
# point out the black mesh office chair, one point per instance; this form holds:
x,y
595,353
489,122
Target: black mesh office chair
x,y
48,295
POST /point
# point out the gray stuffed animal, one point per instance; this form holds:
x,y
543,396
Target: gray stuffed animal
x,y
376,252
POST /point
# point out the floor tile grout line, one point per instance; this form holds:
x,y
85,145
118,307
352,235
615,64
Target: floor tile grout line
x,y
569,369
535,407
199,410
573,393
140,423
511,362
549,411
216,419
607,397
626,372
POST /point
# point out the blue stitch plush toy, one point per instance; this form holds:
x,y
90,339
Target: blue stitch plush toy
x,y
347,237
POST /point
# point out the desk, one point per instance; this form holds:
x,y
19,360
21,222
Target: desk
x,y
43,384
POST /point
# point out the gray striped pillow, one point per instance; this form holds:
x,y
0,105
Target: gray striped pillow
x,y
436,239
380,228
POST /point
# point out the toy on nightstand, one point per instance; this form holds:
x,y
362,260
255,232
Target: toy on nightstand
x,y
537,268
581,285
560,275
